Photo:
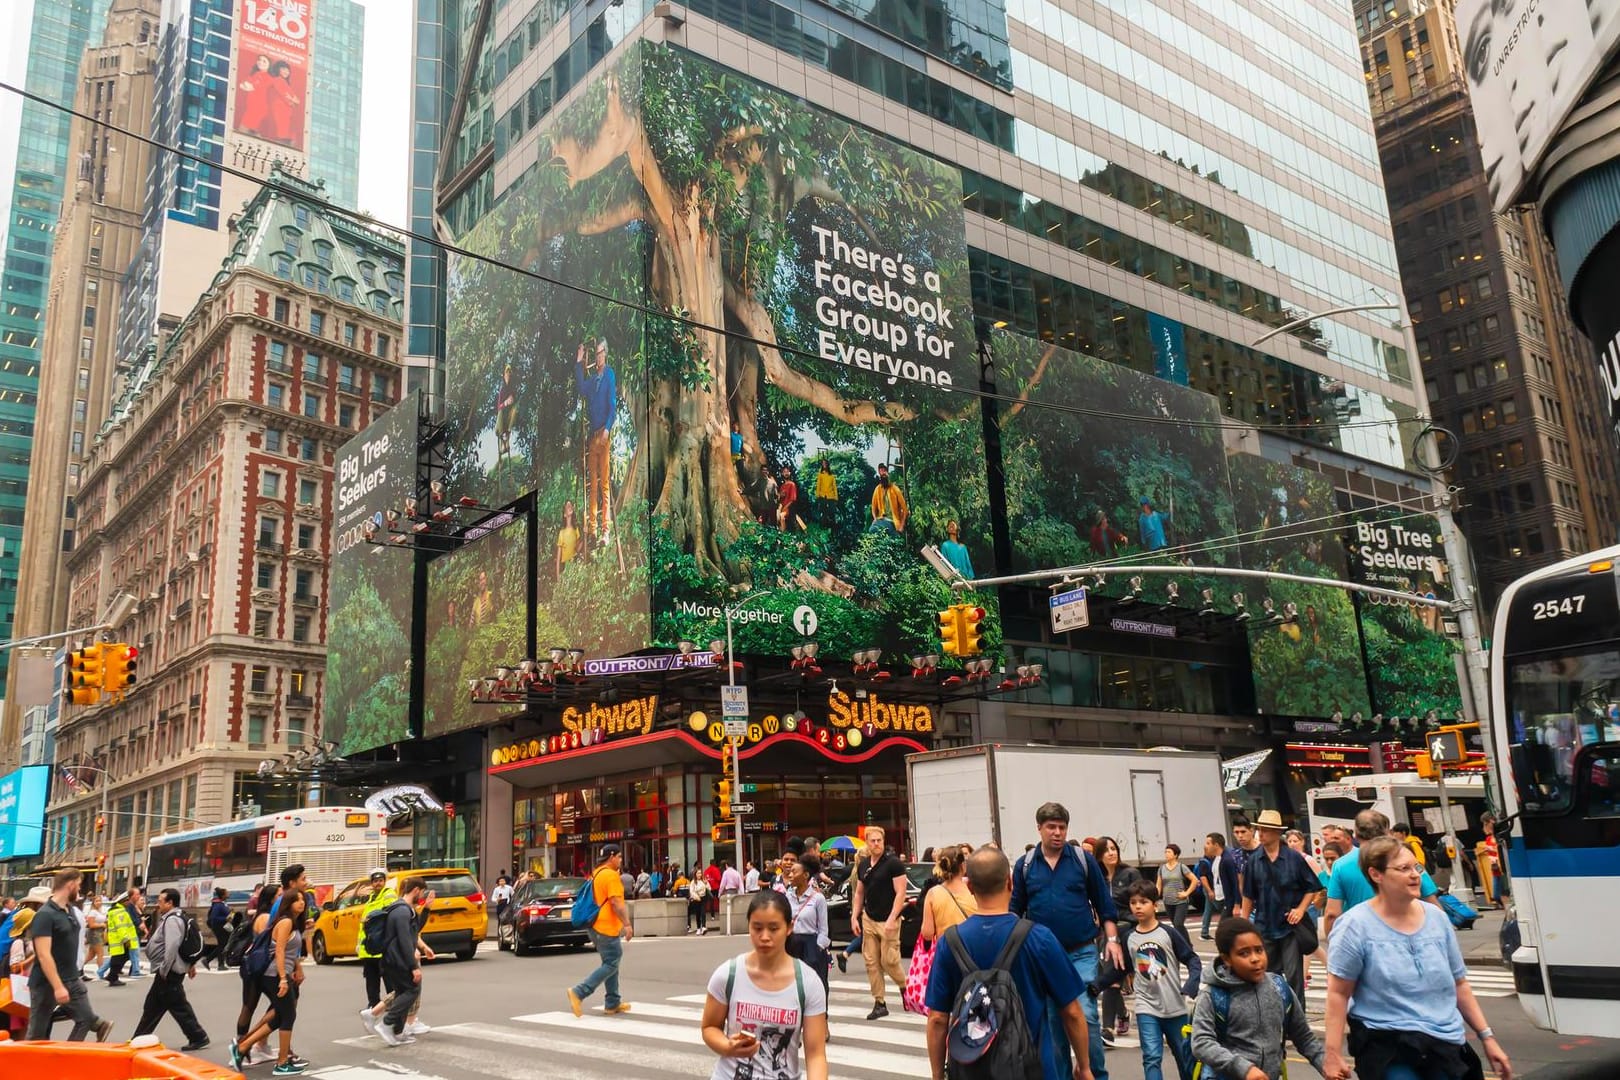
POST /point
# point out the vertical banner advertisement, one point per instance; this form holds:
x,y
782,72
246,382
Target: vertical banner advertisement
x,y
273,41
477,620
368,626
1409,649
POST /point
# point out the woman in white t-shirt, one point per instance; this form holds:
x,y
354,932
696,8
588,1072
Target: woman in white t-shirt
x,y
764,1006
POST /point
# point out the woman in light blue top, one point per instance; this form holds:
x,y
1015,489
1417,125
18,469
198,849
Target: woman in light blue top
x,y
1397,980
809,936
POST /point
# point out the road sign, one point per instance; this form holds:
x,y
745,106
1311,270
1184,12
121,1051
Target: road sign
x,y
1070,610
737,729
742,808
734,701
747,789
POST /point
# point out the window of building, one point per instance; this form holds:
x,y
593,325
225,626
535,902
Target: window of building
x,y
382,345
276,395
346,378
308,491
77,442
259,679
312,366
266,576
323,254
270,484
1431,389
1446,299
1487,417
1470,422
1482,286
1500,369
301,215
306,535
295,730
308,448
1509,410
1414,307
272,440
278,357
346,416
348,334
1515,453
261,622
379,386
301,628
79,408
1459,379
317,323
1533,542
312,405
269,531
1493,327
256,725
304,584
283,310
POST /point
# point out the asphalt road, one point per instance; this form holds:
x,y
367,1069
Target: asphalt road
x,y
505,1017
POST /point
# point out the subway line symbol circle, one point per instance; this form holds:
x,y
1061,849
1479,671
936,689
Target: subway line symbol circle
x,y
804,619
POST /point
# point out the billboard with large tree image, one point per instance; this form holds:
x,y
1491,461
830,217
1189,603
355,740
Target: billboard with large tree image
x,y
773,422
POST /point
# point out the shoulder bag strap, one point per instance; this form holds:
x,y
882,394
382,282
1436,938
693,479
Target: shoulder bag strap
x,y
731,980
1015,941
798,979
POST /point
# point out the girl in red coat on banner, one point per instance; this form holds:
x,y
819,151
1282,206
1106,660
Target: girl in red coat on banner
x,y
285,122
252,97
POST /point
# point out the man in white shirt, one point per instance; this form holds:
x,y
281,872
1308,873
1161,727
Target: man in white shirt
x,y
751,878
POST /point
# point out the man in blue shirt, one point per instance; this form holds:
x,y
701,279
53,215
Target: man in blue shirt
x,y
600,389
1150,527
1046,981
1348,884
1062,888
1232,860
1278,887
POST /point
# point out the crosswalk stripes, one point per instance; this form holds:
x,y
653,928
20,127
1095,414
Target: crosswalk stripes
x,y
660,1038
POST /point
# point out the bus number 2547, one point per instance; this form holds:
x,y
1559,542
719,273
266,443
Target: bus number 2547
x,y
1552,609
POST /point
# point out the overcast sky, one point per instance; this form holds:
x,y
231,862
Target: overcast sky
x,y
384,117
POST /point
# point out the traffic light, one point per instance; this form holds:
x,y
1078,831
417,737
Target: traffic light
x,y
101,822
86,670
950,631
970,636
120,667
722,799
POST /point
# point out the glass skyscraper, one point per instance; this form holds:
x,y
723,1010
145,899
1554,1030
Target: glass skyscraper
x,y
59,34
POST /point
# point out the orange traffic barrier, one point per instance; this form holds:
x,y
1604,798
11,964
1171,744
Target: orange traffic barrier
x,y
106,1061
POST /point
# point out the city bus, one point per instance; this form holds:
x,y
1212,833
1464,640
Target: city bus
x,y
1555,723
335,844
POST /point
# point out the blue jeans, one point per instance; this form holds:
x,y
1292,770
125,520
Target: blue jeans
x,y
1209,914
1155,1032
1405,1072
1084,960
611,951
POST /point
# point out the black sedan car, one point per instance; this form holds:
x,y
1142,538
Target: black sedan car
x,y
917,877
540,914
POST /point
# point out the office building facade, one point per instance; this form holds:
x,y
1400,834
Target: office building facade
x,y
1507,374
1175,193
57,38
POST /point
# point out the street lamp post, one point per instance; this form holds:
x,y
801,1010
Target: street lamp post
x,y
736,744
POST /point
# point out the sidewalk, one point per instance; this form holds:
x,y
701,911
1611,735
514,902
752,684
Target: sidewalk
x,y
1480,945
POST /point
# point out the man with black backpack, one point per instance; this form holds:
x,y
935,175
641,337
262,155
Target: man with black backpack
x,y
1063,888
401,961
174,949
995,975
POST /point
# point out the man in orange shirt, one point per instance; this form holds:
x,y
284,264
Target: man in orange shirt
x,y
608,933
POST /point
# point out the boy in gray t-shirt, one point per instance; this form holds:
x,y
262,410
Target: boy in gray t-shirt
x,y
1167,972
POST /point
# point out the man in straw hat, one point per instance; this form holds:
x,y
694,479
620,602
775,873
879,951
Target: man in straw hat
x,y
1277,889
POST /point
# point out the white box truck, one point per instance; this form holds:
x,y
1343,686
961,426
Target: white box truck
x,y
1142,798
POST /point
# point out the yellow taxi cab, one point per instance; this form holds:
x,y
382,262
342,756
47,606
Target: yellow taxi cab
x,y
456,920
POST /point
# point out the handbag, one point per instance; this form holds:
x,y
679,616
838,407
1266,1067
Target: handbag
x,y
922,965
1305,934
9,1003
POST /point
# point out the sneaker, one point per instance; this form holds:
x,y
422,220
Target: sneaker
x,y
843,963
288,1068
102,1030
298,1060
621,1007
386,1033
405,1040
879,1011
691,930
369,1020
236,1056
576,1006
114,982
1124,1025
194,1046
702,930
1108,1036
260,1054
416,1027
